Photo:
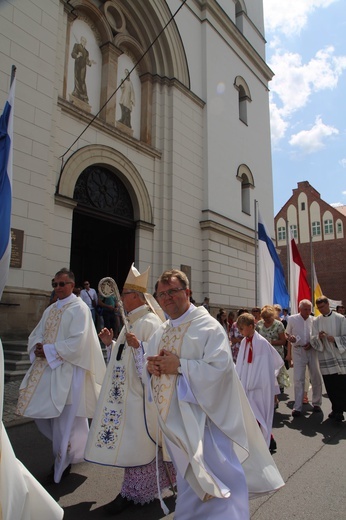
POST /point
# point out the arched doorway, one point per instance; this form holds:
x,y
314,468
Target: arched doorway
x,y
103,228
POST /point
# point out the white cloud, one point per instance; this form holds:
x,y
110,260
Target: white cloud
x,y
342,163
312,140
295,82
290,16
336,204
277,123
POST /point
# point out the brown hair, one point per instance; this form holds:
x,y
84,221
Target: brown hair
x,y
322,299
246,319
173,273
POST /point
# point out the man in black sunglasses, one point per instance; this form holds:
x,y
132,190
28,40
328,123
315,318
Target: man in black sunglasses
x,y
61,388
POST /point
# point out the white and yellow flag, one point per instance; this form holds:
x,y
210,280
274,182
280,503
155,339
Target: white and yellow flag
x,y
317,290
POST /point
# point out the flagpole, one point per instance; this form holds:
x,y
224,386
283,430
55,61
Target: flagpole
x,y
312,272
256,251
288,237
13,74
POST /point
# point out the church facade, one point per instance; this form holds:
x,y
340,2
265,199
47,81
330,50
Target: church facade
x,y
141,135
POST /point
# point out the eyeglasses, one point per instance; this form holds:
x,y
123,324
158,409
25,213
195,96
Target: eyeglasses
x,y
171,293
60,284
125,293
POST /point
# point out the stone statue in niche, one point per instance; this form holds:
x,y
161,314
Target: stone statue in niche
x,y
127,100
81,56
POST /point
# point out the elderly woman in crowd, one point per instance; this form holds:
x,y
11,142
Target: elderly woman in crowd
x,y
274,332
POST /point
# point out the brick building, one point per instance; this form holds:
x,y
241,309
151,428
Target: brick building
x,y
319,231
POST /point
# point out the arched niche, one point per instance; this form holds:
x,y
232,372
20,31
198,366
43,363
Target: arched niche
x,y
132,29
112,160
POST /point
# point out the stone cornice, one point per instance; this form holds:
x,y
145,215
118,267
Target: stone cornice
x,y
173,83
221,224
66,202
140,224
108,129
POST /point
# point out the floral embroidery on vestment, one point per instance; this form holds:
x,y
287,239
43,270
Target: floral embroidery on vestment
x,y
112,415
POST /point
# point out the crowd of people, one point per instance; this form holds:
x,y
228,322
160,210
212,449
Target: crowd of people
x,y
314,346
185,401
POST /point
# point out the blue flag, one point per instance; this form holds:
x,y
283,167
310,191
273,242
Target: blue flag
x,y
272,285
6,148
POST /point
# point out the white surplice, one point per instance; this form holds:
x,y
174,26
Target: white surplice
x,y
259,379
206,420
61,390
331,355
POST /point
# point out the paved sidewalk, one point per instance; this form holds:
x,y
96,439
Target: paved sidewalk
x,y
9,418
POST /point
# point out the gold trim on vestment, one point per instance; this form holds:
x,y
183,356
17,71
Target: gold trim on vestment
x,y
39,365
164,385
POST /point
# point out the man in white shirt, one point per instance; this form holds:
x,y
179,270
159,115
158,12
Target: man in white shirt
x,y
89,296
298,333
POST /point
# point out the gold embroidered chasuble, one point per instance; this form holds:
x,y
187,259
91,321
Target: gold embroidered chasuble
x,y
187,404
45,391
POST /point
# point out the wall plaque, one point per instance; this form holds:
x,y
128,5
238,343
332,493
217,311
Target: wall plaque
x,y
17,239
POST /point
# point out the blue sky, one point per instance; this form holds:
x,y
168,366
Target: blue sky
x,y
306,49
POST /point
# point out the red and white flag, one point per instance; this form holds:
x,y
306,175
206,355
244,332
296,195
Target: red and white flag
x,y
299,286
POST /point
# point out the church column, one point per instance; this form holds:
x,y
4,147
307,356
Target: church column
x,y
146,108
70,19
110,55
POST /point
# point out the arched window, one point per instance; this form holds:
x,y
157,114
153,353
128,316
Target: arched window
x,y
240,10
328,226
245,176
294,231
244,97
281,233
339,227
316,228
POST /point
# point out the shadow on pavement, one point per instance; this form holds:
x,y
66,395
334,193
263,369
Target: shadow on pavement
x,y
150,511
309,423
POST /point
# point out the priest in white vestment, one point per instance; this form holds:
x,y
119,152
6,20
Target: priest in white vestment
x,y
207,424
328,338
258,365
119,435
21,496
61,388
